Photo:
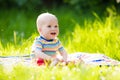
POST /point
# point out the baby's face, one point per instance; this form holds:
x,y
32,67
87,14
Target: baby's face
x,y
49,29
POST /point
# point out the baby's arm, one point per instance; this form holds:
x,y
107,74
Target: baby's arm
x,y
40,54
64,55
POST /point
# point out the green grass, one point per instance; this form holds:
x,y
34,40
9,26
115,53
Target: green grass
x,y
81,72
98,35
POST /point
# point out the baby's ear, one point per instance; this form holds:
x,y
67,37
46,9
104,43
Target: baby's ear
x,y
39,30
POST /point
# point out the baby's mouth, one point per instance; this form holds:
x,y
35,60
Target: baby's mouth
x,y
53,33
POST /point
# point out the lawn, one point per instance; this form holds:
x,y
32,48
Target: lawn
x,y
78,33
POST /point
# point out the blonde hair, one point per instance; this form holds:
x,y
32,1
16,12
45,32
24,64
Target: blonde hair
x,y
42,18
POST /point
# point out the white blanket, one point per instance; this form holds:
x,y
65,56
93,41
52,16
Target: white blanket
x,y
92,58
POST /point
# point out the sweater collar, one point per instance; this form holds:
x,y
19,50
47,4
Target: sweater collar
x,y
46,39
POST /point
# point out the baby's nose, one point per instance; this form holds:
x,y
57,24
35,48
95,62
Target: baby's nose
x,y
53,28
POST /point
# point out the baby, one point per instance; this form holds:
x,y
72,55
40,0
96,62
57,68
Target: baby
x,y
47,45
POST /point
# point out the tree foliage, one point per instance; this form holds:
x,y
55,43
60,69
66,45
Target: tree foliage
x,y
75,4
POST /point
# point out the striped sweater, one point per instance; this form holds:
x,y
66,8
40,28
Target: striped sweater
x,y
49,47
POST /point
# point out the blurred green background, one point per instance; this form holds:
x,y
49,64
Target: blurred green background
x,y
18,17
86,26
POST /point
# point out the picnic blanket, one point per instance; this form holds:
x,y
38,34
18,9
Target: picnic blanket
x,y
93,58
8,61
86,58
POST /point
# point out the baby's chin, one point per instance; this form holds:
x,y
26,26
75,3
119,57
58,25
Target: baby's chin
x,y
49,38
52,38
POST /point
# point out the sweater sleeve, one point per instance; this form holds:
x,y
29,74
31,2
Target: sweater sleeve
x,y
37,46
61,48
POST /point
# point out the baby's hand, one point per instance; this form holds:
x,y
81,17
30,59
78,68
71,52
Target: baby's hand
x,y
54,62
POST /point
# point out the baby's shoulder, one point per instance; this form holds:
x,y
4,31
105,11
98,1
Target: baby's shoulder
x,y
37,39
